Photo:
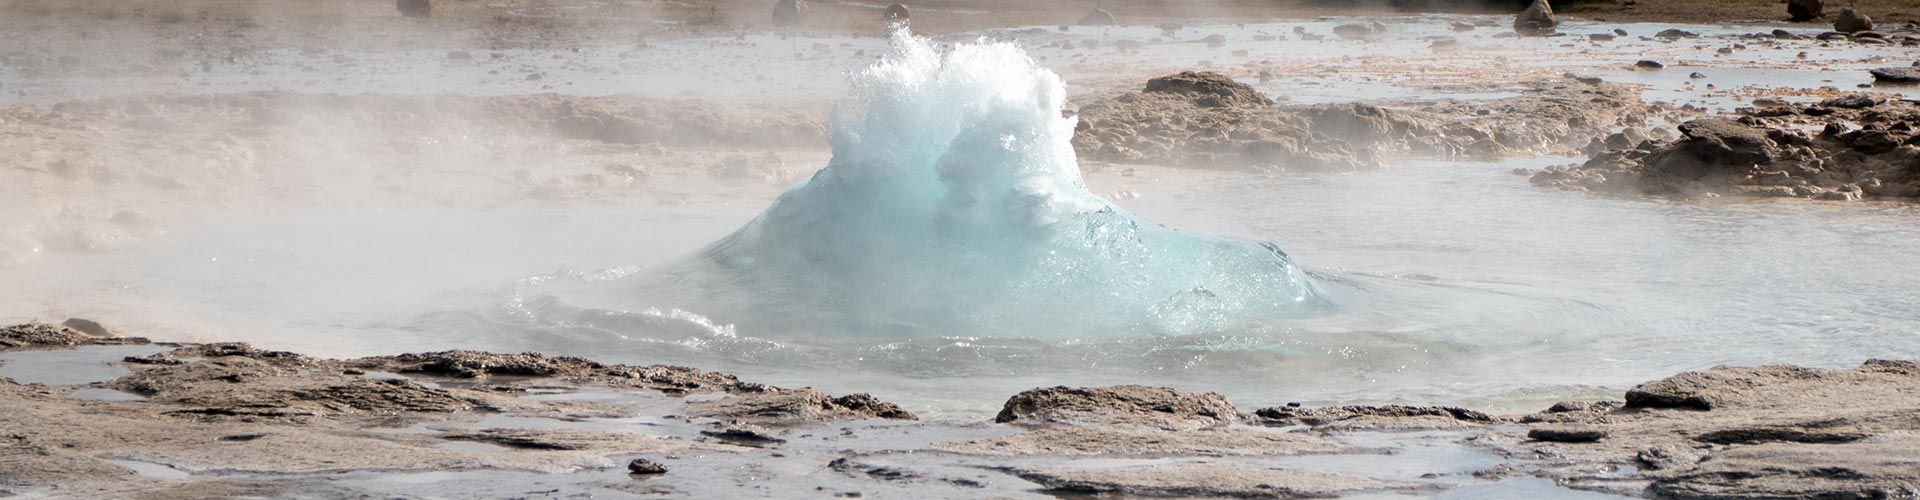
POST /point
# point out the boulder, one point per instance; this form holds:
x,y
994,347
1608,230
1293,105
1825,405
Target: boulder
x,y
1712,146
1099,17
1537,20
1805,10
896,12
1215,90
1354,31
1896,75
1851,21
1124,405
414,8
787,12
645,467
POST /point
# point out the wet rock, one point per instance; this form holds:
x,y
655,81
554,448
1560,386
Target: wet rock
x,y
1896,75
1125,405
1356,31
474,364
414,8
774,405
1672,34
1806,10
1223,124
44,336
896,12
1558,435
1785,35
744,436
1852,101
1647,64
788,12
645,467
1851,21
1696,75
1208,480
1601,37
1537,20
1097,17
89,327
1211,89
1372,417
1460,27
1137,441
1749,432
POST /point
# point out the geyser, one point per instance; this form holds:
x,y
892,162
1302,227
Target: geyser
x,y
954,206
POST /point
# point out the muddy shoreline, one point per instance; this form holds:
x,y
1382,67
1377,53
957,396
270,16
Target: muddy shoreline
x,y
138,419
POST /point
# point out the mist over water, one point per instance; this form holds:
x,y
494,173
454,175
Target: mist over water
x,y
953,206
951,254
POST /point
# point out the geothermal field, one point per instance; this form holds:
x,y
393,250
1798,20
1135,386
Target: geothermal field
x,y
959,248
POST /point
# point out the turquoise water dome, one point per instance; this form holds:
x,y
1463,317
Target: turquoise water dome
x,y
954,206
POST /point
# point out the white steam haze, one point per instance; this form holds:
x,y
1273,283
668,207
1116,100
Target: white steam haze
x,y
378,185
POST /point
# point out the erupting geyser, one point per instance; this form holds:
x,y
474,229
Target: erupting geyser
x,y
954,205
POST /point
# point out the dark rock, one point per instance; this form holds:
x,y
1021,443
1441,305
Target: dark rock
x,y
1355,31
1322,416
1875,142
896,12
1758,435
1851,21
1713,146
768,404
1852,101
744,437
1649,65
1098,17
1217,90
1601,37
1785,35
788,12
645,467
1567,407
1537,20
415,8
1896,75
1806,10
1119,405
41,335
1566,435
89,327
1675,33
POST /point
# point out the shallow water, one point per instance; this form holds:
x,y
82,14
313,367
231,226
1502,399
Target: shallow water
x,y
1481,289
1463,284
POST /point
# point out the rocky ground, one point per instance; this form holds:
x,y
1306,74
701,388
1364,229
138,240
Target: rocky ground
x,y
1205,119
1845,148
215,420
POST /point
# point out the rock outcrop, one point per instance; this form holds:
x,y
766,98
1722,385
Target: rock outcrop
x,y
1208,120
1537,20
1806,10
1126,405
45,336
1740,432
1852,21
788,12
1865,148
1097,17
414,8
